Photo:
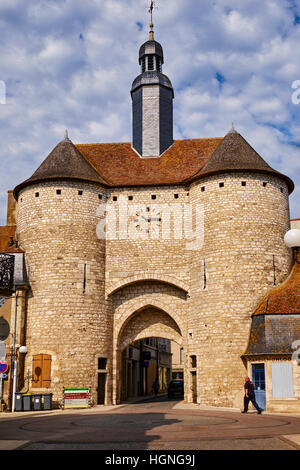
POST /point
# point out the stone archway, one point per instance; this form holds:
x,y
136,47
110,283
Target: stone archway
x,y
149,321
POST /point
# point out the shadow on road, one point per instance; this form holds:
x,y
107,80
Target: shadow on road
x,y
123,430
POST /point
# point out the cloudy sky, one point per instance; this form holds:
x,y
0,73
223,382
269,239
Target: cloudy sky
x,y
70,64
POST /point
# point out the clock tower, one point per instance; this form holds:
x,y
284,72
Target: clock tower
x,y
152,102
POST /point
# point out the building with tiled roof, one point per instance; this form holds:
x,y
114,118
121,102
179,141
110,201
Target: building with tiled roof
x,y
177,239
274,341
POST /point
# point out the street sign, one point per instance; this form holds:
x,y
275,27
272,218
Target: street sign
x,y
3,376
3,367
76,397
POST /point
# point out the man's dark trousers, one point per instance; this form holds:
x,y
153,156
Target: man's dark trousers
x,y
251,398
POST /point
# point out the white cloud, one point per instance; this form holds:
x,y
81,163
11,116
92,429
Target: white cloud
x,y
70,64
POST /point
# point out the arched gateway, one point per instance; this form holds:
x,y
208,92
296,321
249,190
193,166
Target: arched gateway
x,y
147,322
143,310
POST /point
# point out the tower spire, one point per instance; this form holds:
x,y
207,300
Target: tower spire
x,y
151,32
152,100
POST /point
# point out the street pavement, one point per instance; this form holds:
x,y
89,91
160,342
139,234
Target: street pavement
x,y
152,424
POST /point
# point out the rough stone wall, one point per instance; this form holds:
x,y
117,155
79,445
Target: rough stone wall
x,y
135,254
67,314
149,323
244,226
236,231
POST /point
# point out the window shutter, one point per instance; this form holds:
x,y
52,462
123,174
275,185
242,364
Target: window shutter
x,y
282,380
41,374
37,367
46,374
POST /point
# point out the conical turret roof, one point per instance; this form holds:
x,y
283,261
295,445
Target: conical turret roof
x,y
64,162
235,154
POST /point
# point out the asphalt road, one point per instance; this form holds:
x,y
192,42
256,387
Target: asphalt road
x,y
157,424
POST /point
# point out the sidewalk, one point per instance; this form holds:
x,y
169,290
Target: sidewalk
x,y
99,408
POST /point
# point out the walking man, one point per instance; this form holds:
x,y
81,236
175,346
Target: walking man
x,y
155,386
250,396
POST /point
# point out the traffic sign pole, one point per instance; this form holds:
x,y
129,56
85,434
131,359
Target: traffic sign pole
x,y
15,367
1,388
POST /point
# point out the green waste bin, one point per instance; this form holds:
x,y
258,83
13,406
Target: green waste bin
x,y
18,402
27,402
37,402
47,401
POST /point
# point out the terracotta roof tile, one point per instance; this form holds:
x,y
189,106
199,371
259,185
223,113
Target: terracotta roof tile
x,y
284,298
120,165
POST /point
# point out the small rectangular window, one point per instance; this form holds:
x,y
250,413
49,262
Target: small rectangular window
x,y
80,193
37,194
99,196
153,196
203,188
264,184
193,361
181,355
221,185
58,191
130,198
102,362
176,196
115,198
243,183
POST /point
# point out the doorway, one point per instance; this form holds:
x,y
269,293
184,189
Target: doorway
x,y
194,386
101,388
258,378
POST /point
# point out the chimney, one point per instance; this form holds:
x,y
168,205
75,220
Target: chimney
x,y
11,218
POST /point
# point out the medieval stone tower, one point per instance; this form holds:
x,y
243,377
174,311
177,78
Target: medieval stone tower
x,y
194,232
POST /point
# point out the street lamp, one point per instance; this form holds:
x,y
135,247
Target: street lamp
x,y
292,240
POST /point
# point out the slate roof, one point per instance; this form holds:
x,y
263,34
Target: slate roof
x,y
235,154
64,162
151,78
273,335
151,47
118,165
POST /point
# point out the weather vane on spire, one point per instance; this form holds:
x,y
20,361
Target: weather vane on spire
x,y
151,33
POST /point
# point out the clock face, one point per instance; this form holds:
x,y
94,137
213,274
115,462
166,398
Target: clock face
x,y
148,220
